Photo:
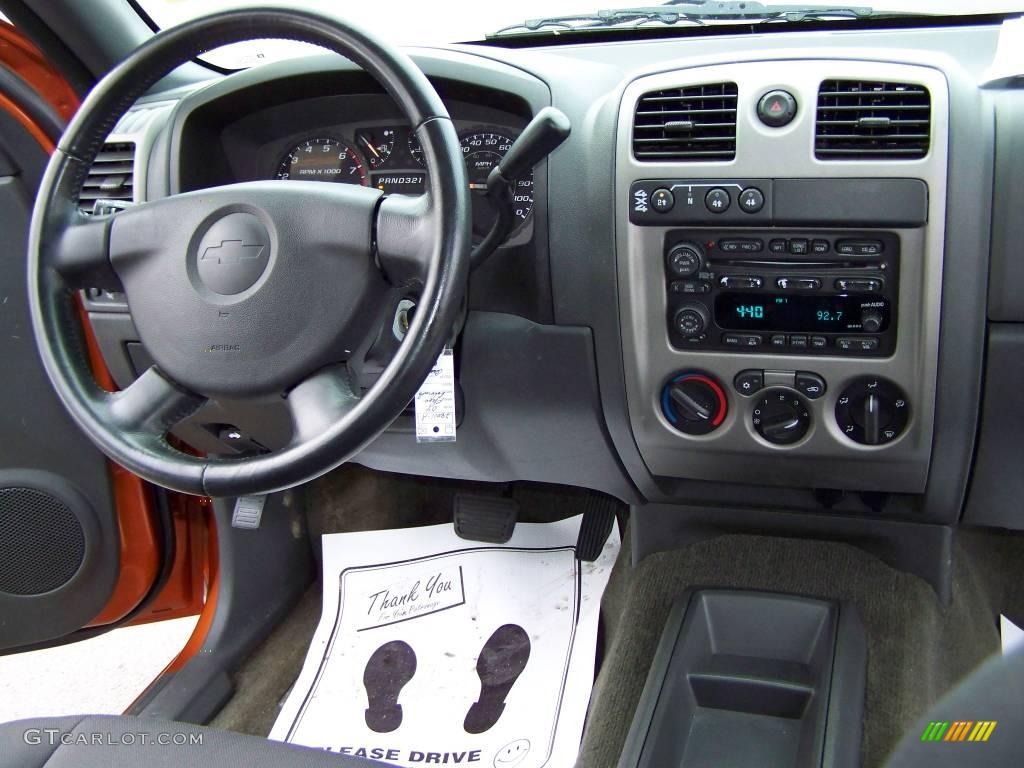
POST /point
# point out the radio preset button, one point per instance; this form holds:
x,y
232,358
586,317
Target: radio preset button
x,y
798,283
779,340
717,200
819,342
778,246
740,281
748,382
751,200
820,246
798,341
859,284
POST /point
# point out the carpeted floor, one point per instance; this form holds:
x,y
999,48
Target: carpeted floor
x,y
917,649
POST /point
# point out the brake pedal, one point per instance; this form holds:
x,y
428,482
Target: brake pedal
x,y
491,519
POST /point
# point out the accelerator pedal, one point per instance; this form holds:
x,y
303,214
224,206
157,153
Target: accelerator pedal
x,y
598,519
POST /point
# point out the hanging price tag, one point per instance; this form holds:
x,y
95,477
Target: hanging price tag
x,y
435,402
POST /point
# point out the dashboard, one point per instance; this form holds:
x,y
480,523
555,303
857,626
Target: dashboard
x,y
756,274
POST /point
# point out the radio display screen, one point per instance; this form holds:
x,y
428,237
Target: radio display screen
x,y
798,313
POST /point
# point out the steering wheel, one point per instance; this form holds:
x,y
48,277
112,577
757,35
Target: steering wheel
x,y
251,289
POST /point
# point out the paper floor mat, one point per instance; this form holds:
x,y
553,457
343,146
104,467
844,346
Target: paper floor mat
x,y
433,650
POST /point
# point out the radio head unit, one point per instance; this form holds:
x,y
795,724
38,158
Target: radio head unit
x,y
782,291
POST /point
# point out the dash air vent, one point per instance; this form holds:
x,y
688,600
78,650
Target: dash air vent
x,y
696,123
111,176
860,120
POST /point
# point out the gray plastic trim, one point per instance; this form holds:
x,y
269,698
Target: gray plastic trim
x,y
825,457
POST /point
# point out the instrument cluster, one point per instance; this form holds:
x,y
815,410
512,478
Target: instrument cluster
x,y
391,159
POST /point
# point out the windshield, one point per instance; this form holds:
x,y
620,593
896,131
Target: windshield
x,y
435,22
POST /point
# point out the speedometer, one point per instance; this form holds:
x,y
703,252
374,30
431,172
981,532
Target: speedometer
x,y
323,159
483,151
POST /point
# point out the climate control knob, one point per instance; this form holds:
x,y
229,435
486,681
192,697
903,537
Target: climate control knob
x,y
694,403
684,260
691,320
872,411
781,417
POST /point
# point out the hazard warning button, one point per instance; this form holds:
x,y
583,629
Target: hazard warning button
x,y
776,108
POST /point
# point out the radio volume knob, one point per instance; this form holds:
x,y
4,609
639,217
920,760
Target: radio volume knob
x,y
871,320
684,260
691,320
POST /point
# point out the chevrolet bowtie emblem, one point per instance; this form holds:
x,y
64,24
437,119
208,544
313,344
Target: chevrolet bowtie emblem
x,y
233,252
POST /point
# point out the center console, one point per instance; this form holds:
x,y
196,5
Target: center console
x,y
752,679
780,271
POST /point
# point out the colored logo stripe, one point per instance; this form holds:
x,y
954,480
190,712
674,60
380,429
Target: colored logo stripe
x,y
959,730
982,730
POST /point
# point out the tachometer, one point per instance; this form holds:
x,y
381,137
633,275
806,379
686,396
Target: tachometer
x,y
483,151
323,159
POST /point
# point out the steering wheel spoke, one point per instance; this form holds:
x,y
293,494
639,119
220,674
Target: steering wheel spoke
x,y
81,252
153,404
319,402
405,235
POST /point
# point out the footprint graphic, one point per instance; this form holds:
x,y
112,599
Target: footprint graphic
x,y
390,667
502,660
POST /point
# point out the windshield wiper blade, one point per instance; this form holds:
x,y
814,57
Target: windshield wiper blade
x,y
695,12
609,18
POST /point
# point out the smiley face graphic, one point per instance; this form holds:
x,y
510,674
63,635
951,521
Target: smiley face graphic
x,y
512,754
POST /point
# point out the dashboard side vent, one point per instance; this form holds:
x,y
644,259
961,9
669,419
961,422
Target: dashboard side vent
x,y
696,123
111,177
861,120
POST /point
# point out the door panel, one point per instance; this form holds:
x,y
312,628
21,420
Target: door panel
x,y
58,532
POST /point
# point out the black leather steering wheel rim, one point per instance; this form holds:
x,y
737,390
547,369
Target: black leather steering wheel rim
x,y
136,438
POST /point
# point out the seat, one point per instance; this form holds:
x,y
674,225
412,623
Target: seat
x,y
102,741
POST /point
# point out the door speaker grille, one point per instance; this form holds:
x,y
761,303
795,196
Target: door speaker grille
x,y
42,543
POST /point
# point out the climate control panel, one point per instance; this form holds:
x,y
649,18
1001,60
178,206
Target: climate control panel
x,y
782,407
